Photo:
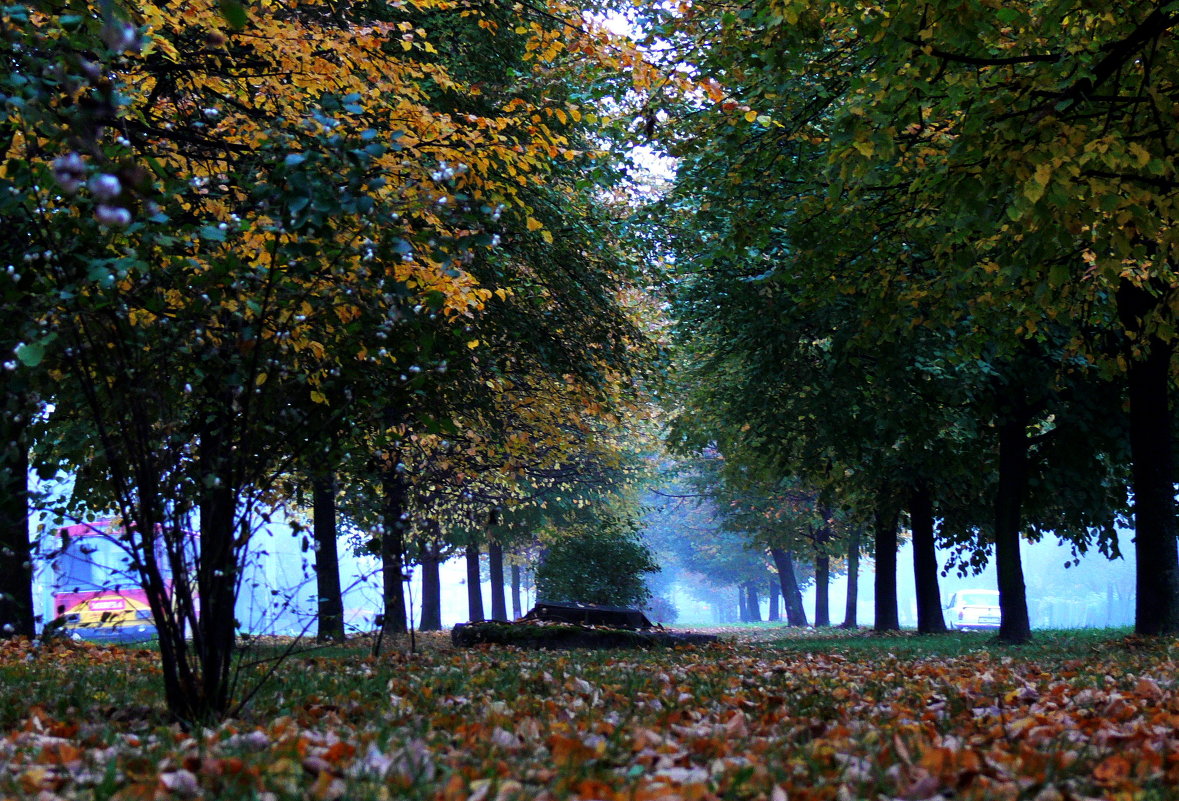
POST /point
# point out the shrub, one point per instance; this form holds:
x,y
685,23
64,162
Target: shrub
x,y
599,563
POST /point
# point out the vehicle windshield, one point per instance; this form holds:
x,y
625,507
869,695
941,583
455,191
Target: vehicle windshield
x,y
978,599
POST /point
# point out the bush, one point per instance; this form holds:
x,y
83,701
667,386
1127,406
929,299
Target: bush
x,y
602,563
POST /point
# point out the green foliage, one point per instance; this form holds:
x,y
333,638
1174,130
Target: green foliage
x,y
601,564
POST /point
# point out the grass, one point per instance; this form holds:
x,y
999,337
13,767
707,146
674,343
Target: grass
x,y
819,715
1047,644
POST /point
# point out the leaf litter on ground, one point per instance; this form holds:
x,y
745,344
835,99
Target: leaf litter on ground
x,y
770,714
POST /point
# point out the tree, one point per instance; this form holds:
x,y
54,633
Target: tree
x,y
233,249
602,566
883,111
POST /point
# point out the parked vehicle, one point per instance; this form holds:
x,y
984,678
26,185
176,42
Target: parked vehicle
x,y
973,609
95,594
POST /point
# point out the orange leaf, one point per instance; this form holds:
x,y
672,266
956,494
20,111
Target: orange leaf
x,y
1113,770
59,754
569,750
339,751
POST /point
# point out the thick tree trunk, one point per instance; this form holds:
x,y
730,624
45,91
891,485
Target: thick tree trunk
x,y
393,554
791,594
775,610
853,579
495,565
16,573
431,588
822,586
517,610
742,604
885,589
929,601
752,602
327,560
1156,554
474,585
1014,627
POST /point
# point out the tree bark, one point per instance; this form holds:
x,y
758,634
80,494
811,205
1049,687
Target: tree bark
x,y
775,610
517,610
850,608
431,588
929,602
791,594
16,553
327,561
822,587
752,602
217,569
495,564
1148,380
393,554
474,585
885,589
742,604
1014,626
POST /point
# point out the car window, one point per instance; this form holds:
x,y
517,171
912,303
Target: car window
x,y
978,599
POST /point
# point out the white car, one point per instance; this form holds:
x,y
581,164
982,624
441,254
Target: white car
x,y
973,609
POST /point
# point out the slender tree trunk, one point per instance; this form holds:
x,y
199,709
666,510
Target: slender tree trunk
x,y
16,573
327,561
393,554
1156,554
775,609
742,604
474,585
752,602
791,594
217,570
885,589
850,608
1014,627
929,602
822,587
431,588
495,564
517,609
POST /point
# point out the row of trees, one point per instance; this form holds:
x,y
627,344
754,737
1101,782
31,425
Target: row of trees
x,y
925,264
723,527
353,248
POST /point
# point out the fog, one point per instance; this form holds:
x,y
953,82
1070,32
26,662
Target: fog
x,y
1095,593
278,592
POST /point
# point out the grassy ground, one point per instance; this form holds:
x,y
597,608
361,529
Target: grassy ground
x,y
769,713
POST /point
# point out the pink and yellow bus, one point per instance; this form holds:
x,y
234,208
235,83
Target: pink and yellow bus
x,y
96,594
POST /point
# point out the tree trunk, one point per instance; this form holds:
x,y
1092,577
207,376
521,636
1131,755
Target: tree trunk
x,y
474,585
885,590
742,604
431,588
327,561
217,570
929,601
517,610
791,594
1014,627
752,602
16,577
853,579
495,565
822,586
393,554
775,610
1156,554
